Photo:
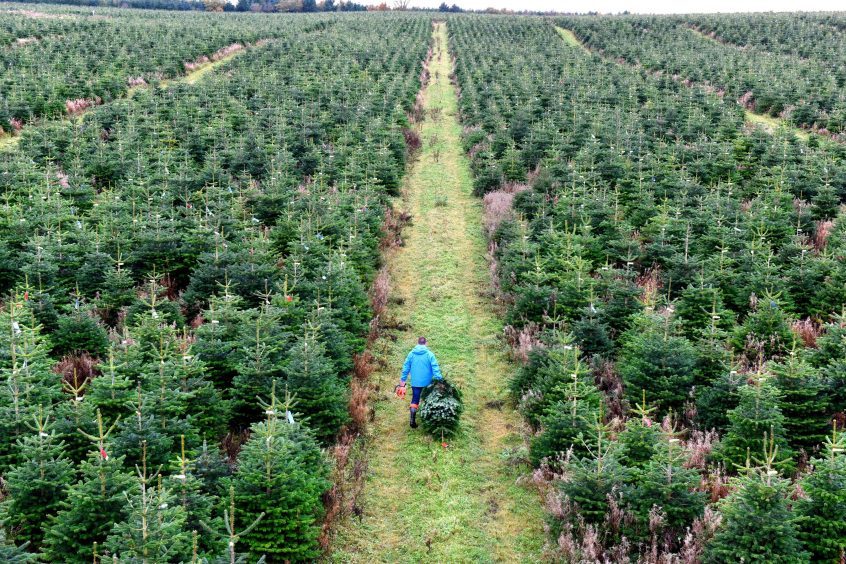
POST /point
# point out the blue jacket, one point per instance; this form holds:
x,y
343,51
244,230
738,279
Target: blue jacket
x,y
422,365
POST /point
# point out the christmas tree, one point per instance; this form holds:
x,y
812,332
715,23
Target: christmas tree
x,y
440,408
802,400
321,394
230,535
154,530
28,381
756,416
282,474
822,509
93,505
655,360
758,523
569,423
38,484
663,496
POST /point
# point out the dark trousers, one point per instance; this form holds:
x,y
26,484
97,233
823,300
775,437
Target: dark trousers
x,y
415,396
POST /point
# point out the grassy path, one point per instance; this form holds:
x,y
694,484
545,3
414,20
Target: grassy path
x,y
424,502
10,142
768,123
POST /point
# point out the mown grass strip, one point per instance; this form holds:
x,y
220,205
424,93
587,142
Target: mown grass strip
x,y
571,39
424,502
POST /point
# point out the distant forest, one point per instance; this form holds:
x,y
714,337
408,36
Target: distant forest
x,y
223,6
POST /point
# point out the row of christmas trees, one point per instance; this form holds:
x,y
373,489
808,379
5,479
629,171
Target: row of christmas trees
x,y
117,460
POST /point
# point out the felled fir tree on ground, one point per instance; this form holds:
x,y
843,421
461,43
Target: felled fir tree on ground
x,y
822,511
440,408
282,474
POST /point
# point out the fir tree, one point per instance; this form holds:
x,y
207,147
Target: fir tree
x,y
14,554
756,416
569,422
38,484
664,496
440,408
593,480
230,535
154,530
93,506
640,440
764,331
320,392
654,360
28,381
259,368
715,402
822,511
188,492
283,475
758,523
802,401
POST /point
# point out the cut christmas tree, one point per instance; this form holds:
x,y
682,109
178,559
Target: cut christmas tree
x,y
440,408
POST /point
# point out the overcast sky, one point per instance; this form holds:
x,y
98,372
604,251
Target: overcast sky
x,y
640,6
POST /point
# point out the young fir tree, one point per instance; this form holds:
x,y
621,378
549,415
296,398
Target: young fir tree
x,y
802,400
569,422
320,392
541,383
258,368
13,553
715,402
94,504
282,474
188,492
142,434
27,378
154,530
231,534
756,416
640,440
663,496
765,331
822,510
758,523
655,360
592,480
113,392
38,484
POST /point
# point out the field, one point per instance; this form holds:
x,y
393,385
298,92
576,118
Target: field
x,y
220,234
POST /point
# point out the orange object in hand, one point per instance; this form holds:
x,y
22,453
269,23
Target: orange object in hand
x,y
400,391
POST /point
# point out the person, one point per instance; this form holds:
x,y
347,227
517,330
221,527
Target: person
x,y
422,366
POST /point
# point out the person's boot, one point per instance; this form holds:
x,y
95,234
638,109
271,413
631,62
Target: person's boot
x,y
413,418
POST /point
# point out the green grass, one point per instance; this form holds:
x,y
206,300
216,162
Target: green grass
x,y
771,124
571,39
8,142
424,502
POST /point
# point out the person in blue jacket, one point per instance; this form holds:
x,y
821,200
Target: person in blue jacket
x,y
422,366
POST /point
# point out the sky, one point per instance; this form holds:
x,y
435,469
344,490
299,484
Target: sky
x,y
639,6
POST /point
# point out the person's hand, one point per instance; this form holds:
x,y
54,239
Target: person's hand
x,y
401,384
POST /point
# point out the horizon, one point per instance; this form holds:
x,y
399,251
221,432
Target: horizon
x,y
634,6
